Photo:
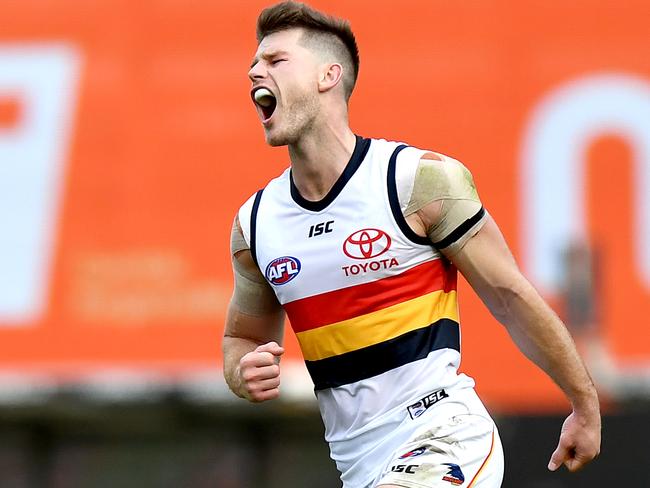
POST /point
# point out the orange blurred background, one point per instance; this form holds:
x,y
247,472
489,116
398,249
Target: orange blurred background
x,y
155,144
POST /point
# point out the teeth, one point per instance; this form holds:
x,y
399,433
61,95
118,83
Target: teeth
x,y
264,97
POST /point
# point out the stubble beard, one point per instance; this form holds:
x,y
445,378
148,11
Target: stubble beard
x,y
298,118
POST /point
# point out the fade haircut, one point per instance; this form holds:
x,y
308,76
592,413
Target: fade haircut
x,y
322,32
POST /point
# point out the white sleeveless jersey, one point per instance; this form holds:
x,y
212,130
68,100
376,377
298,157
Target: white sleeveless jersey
x,y
373,304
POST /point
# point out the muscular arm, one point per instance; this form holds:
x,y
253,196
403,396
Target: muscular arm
x,y
254,330
489,267
487,263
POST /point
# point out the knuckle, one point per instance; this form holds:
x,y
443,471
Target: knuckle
x,y
266,358
246,360
248,374
263,396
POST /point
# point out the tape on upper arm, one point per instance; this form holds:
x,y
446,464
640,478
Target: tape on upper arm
x,y
237,240
252,294
446,180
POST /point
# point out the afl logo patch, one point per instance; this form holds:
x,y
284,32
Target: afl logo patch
x,y
282,270
366,244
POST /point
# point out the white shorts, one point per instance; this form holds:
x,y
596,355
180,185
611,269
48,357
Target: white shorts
x,y
458,447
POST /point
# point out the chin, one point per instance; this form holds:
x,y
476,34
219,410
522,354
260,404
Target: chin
x,y
278,139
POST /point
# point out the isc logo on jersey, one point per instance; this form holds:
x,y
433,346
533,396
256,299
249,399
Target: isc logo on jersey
x,y
282,270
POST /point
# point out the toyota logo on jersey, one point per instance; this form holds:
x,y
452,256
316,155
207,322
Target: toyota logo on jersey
x,y
282,270
366,244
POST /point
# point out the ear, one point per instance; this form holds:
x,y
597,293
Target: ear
x,y
330,76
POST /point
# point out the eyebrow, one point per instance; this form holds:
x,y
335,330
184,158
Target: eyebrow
x,y
268,55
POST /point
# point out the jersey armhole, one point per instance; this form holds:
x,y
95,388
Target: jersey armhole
x,y
393,199
461,231
253,226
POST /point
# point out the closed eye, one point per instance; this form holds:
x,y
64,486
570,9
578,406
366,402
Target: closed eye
x,y
276,61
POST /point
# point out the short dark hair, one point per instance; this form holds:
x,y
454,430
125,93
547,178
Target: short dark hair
x,y
320,30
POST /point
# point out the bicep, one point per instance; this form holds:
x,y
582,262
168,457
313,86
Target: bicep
x,y
260,328
254,311
489,267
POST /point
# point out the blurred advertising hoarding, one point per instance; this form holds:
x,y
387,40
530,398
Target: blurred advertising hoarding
x,y
128,141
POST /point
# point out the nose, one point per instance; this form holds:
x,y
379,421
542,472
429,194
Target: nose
x,y
257,72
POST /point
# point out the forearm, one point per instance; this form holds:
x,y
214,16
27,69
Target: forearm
x,y
542,337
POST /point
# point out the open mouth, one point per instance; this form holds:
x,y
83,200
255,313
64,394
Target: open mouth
x,y
266,102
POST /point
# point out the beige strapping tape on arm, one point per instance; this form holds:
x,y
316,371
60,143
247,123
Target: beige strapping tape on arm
x,y
251,294
450,182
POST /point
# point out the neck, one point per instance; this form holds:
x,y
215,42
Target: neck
x,y
319,158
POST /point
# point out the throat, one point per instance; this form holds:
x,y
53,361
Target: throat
x,y
314,185
318,162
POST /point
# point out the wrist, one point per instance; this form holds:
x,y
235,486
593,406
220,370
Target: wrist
x,y
586,404
233,380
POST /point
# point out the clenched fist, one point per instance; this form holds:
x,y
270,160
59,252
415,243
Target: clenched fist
x,y
259,373
579,442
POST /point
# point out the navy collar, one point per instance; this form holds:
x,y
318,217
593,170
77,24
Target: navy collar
x,y
361,147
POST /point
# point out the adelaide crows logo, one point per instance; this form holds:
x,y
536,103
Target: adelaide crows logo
x,y
455,475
